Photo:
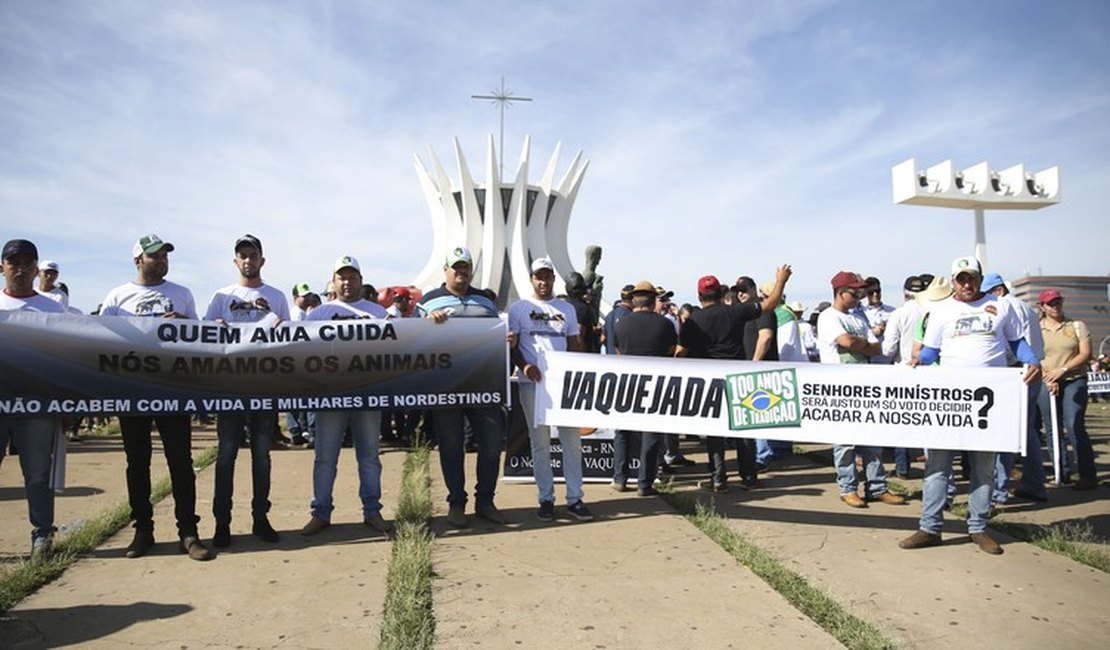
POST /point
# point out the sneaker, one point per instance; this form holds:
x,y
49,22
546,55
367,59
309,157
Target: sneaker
x,y
579,511
141,543
890,499
1029,496
314,525
618,487
647,492
986,543
378,523
920,539
41,548
456,517
546,511
490,513
196,550
298,440
718,488
222,538
852,500
679,461
264,531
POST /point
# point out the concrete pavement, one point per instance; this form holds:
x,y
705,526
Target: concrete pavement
x,y
640,575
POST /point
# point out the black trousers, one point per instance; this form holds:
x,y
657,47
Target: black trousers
x,y
176,433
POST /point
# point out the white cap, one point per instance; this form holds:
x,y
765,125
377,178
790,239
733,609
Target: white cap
x,y
541,263
48,265
344,262
966,265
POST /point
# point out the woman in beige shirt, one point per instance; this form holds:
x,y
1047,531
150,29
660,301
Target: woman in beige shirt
x,y
1067,349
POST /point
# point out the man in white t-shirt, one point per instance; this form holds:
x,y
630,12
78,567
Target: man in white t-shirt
x,y
971,329
844,336
539,324
897,344
48,282
331,426
151,295
249,300
34,435
877,313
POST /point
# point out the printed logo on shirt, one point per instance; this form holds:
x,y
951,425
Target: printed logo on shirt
x,y
153,304
260,304
974,325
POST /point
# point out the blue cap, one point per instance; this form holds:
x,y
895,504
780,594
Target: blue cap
x,y
991,281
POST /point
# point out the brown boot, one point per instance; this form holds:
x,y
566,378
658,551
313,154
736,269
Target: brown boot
x,y
920,539
986,543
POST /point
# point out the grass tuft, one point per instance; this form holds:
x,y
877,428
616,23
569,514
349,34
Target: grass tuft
x,y
408,622
853,632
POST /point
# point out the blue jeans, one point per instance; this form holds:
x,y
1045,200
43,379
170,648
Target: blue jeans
x,y
540,437
488,425
1032,468
745,458
934,492
1071,406
34,437
229,431
331,426
844,459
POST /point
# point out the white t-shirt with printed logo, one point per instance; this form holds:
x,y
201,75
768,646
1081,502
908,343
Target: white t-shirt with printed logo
x,y
542,325
239,304
972,334
831,324
157,300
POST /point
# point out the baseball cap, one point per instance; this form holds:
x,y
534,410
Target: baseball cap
x,y
991,281
19,247
541,263
300,289
249,240
48,265
643,286
1048,295
626,291
709,285
873,283
847,279
401,292
344,262
150,244
663,294
915,283
743,284
459,254
966,264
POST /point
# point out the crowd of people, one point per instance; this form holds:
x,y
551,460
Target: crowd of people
x,y
963,319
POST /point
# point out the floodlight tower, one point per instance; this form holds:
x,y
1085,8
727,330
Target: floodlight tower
x,y
976,188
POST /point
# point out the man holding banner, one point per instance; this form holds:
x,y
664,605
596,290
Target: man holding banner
x,y
455,298
249,300
152,296
540,324
844,336
365,426
34,435
969,329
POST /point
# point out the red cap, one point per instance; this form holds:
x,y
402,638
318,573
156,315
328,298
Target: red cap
x,y
709,285
1048,295
402,292
848,279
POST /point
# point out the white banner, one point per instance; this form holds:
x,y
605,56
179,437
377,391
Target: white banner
x,y
881,406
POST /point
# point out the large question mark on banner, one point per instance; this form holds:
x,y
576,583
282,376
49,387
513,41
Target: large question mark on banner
x,y
986,394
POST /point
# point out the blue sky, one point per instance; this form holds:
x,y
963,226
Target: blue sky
x,y
723,137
